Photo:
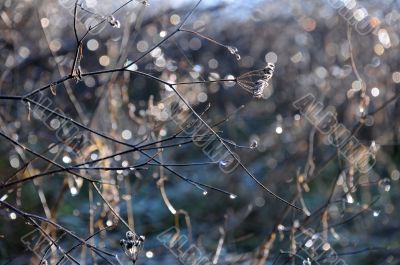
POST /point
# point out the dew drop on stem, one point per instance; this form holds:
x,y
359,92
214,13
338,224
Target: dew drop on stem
x,y
234,51
253,145
143,2
113,22
385,184
223,163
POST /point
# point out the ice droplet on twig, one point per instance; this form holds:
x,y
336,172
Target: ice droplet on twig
x,y
232,196
385,184
234,51
143,2
113,22
254,145
223,163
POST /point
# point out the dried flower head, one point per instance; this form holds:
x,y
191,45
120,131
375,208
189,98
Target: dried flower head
x,y
259,87
77,74
256,81
132,245
269,70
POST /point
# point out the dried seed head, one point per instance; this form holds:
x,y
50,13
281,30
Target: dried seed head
x,y
259,88
77,73
269,70
129,244
130,235
132,245
256,81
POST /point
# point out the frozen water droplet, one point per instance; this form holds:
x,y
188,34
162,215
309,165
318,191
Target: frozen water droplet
x,y
385,184
143,2
376,213
113,22
223,163
232,196
205,193
234,51
254,145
